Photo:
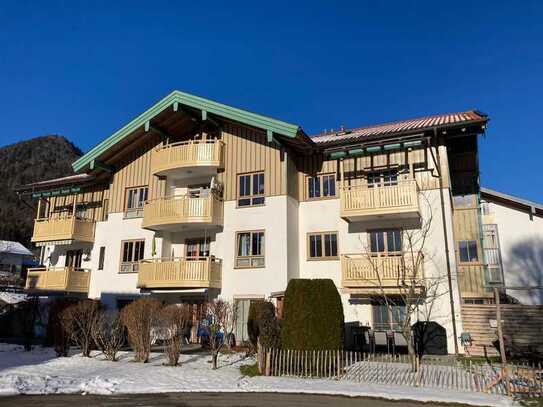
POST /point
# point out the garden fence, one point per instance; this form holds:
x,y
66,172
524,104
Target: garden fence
x,y
445,373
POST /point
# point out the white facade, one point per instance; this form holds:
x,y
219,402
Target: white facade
x,y
521,249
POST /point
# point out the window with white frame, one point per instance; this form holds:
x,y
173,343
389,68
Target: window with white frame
x,y
382,178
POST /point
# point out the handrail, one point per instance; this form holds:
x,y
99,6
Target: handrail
x,y
185,196
173,259
188,142
65,217
58,268
367,186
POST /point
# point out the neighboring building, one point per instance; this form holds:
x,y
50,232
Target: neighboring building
x,y
513,244
194,199
13,257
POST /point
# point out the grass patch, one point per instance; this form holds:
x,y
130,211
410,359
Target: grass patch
x,y
249,370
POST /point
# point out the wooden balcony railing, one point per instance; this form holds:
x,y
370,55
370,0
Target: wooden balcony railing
x,y
363,202
63,228
65,279
182,210
393,273
200,272
192,153
472,282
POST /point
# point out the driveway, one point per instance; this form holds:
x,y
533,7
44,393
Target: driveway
x,y
205,400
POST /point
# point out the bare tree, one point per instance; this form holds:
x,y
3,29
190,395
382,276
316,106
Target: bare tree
x,y
109,333
400,280
138,318
174,319
79,321
218,315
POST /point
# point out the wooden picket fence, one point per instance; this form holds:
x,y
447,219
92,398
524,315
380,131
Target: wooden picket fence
x,y
444,373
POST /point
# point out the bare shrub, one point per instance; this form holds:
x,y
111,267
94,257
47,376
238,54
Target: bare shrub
x,y
218,314
109,334
79,321
174,319
56,334
138,318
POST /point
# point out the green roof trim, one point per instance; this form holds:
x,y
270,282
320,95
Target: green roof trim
x,y
205,105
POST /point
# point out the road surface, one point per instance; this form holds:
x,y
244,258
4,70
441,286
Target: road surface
x,y
205,400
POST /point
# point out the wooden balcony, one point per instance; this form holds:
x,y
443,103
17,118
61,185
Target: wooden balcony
x,y
188,158
472,282
201,272
365,273
63,228
61,279
182,211
364,203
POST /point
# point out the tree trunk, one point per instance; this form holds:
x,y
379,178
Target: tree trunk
x,y
214,357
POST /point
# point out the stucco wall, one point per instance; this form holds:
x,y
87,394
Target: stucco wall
x,y
521,244
323,215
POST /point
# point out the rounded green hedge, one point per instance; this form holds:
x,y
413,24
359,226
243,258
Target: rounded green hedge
x,y
312,315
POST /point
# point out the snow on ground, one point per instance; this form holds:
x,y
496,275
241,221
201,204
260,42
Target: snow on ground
x,y
40,372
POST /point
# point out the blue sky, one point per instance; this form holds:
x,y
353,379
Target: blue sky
x,y
84,70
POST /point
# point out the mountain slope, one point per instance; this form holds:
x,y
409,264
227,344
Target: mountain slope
x,y
29,161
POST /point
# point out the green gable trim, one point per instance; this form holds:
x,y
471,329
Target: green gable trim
x,y
207,106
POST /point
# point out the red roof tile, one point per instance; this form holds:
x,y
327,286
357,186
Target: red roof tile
x,y
418,124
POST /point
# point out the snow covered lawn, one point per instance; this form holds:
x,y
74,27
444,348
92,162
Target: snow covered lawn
x,y
41,372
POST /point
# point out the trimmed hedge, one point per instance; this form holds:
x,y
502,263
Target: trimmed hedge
x,y
312,316
262,323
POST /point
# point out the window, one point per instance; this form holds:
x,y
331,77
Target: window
x,y
195,249
386,241
382,178
73,258
468,251
250,249
101,258
321,186
131,253
251,189
322,245
388,318
135,198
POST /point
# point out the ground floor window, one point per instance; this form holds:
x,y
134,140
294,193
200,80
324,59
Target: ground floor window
x,y
388,317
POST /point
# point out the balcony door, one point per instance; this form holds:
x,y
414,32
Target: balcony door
x,y
73,258
385,242
197,249
382,178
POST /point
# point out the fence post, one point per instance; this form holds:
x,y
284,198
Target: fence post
x,y
268,363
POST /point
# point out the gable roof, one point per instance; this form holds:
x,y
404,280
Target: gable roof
x,y
510,199
271,126
402,126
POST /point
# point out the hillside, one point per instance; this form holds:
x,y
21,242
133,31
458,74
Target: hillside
x,y
25,162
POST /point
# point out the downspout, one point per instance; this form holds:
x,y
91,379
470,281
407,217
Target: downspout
x,y
446,240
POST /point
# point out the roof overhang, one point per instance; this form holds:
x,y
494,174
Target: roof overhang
x,y
533,208
176,101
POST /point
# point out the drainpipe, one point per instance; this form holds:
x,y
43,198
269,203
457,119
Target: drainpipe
x,y
446,240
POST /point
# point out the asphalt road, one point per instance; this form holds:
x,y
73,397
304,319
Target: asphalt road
x,y
205,400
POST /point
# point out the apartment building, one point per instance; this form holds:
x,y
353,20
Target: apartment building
x,y
194,199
